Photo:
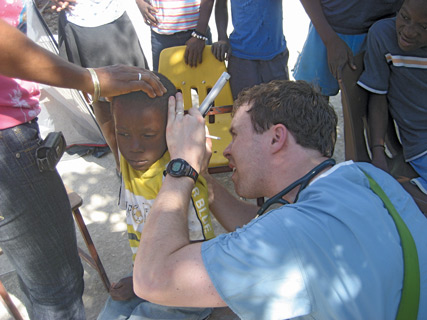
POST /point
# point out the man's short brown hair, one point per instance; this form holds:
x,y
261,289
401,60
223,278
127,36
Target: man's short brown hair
x,y
296,105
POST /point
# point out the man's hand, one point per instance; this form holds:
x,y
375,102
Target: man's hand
x,y
221,50
122,290
185,134
148,12
120,79
339,54
194,51
60,5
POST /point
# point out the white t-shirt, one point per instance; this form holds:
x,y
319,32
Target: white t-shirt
x,y
95,13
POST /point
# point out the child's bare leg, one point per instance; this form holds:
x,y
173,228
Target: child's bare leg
x,y
105,120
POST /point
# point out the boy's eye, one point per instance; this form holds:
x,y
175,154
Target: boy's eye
x,y
424,27
123,134
404,16
148,136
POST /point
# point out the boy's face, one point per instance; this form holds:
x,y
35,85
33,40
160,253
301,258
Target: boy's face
x,y
411,25
141,136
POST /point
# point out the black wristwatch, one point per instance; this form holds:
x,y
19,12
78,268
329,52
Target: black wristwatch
x,y
181,168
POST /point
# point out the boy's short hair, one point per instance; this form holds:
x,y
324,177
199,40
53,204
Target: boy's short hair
x,y
144,100
296,105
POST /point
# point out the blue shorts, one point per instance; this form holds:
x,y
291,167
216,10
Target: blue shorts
x,y
312,63
420,166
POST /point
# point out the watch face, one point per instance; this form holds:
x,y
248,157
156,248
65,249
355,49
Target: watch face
x,y
176,166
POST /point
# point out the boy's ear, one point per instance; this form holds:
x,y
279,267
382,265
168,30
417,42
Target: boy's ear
x,y
279,135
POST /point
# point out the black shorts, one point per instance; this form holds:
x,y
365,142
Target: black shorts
x,y
93,47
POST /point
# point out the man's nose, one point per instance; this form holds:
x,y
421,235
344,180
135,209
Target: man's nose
x,y
226,152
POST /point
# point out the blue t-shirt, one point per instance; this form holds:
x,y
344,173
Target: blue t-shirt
x,y
356,16
335,254
258,29
402,76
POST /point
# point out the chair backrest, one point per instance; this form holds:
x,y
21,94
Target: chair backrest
x,y
201,79
356,132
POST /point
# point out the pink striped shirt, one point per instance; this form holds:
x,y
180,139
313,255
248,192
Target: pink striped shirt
x,y
176,15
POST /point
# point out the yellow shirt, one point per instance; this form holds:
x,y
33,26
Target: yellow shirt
x,y
139,190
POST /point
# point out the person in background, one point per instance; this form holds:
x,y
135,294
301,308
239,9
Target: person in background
x,y
337,32
396,76
94,33
178,23
36,226
256,50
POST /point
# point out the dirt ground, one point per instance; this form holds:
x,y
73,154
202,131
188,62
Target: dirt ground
x,y
94,179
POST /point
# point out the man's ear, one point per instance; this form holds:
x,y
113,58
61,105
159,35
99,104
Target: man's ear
x,y
279,134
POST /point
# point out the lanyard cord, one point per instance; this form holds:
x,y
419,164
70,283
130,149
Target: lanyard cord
x,y
410,298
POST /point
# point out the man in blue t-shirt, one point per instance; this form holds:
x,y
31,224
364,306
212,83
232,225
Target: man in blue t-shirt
x,y
256,49
332,253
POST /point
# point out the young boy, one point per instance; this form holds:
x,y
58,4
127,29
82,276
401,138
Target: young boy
x,y
140,124
396,75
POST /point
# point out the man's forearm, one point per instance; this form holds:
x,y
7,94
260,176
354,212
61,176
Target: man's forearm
x,y
22,58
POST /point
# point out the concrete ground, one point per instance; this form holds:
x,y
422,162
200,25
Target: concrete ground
x,y
94,179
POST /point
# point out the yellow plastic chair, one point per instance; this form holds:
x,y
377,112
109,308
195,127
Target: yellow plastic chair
x,y
201,79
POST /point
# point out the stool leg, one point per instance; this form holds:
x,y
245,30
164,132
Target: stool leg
x,y
9,303
94,260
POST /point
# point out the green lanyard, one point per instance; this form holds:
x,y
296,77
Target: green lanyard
x,y
410,299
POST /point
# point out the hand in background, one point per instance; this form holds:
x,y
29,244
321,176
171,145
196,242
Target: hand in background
x,y
339,54
148,12
60,5
221,50
194,51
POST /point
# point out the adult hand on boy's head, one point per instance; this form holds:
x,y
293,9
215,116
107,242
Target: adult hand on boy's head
x,y
185,134
119,79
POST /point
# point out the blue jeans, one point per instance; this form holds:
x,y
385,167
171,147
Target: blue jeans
x,y
139,309
37,229
163,41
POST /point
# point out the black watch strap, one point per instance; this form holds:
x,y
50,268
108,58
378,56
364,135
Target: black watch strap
x,y
181,168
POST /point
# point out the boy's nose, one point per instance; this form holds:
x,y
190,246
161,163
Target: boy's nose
x,y
137,146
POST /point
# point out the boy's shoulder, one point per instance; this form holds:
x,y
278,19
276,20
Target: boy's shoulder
x,y
387,26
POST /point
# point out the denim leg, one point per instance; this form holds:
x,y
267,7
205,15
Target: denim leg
x,y
139,309
119,310
37,229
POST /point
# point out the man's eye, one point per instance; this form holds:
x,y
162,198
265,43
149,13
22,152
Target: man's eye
x,y
404,16
149,136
